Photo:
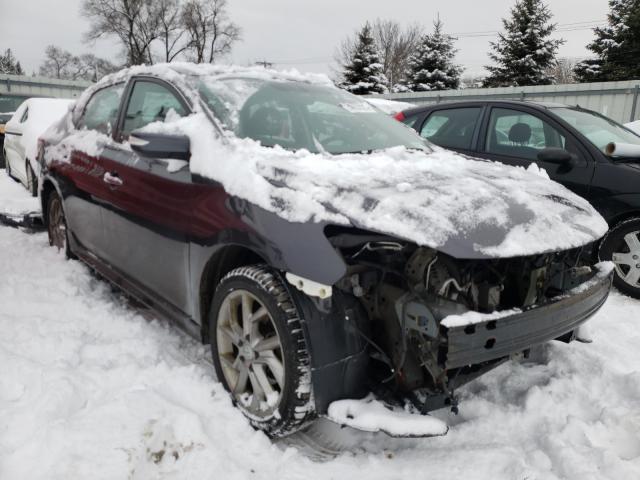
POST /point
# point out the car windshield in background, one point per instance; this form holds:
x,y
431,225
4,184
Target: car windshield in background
x,y
598,129
296,115
9,104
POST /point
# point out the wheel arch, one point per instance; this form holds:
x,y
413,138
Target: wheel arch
x,y
47,187
224,260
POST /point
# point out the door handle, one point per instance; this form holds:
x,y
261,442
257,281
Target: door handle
x,y
112,179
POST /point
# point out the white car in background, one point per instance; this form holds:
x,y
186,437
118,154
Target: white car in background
x,y
634,126
28,122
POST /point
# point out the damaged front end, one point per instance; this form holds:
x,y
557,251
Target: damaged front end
x,y
433,322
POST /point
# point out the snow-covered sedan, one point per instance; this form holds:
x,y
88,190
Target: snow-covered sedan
x,y
334,260
27,123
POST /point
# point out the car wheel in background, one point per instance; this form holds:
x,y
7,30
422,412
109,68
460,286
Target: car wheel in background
x,y
622,247
8,169
259,351
57,224
32,180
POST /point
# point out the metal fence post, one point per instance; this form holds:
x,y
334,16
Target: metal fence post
x,y
636,91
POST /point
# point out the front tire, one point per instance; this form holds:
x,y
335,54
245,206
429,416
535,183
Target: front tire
x,y
622,247
259,350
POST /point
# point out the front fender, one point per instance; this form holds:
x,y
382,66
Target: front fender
x,y
616,208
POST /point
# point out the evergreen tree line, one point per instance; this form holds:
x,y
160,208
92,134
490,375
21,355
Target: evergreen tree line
x,y
523,54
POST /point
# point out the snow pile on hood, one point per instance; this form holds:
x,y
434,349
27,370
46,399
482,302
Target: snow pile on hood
x,y
472,208
431,199
634,126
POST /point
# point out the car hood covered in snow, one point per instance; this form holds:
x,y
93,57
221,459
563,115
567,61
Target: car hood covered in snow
x,y
464,207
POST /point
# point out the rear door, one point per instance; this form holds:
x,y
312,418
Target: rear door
x,y
515,135
13,146
455,128
84,189
149,212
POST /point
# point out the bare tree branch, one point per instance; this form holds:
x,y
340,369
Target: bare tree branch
x,y
394,43
135,23
62,64
210,32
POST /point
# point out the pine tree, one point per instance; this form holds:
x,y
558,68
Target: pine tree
x,y
364,74
9,64
431,66
617,46
524,53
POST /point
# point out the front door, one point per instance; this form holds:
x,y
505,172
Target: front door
x,y
516,136
147,219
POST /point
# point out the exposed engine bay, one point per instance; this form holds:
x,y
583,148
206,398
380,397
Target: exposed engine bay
x,y
407,292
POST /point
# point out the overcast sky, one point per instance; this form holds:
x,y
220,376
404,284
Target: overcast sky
x,y
301,33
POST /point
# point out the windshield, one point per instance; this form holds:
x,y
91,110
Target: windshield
x,y
296,115
598,129
9,104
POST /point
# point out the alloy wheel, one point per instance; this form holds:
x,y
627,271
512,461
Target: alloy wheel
x,y
250,353
627,259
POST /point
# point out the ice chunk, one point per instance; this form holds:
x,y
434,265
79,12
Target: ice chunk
x,y
371,415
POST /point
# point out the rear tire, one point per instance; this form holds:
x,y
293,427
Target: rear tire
x,y
32,181
259,350
8,169
57,224
622,246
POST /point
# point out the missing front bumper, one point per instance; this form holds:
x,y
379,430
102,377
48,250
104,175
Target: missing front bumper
x,y
495,338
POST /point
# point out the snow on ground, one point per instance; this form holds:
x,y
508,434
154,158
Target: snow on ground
x,y
15,200
89,388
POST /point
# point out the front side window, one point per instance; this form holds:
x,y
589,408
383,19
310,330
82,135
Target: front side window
x,y
520,134
297,115
451,128
101,112
150,102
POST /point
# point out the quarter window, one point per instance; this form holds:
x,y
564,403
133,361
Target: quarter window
x,y
452,128
25,115
520,134
101,112
150,102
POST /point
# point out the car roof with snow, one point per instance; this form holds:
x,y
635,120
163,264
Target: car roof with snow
x,y
529,103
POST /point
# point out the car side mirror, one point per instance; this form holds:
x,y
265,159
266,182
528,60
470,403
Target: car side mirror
x,y
556,155
160,145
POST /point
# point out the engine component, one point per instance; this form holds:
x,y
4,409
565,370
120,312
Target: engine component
x,y
415,315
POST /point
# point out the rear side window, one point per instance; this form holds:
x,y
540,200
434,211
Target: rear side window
x,y
451,128
149,102
101,112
